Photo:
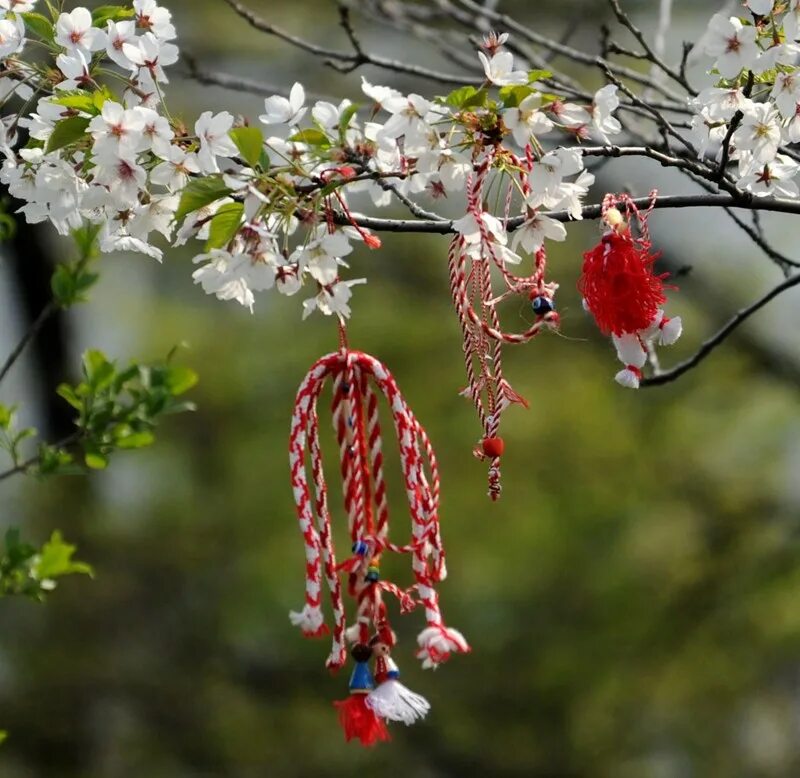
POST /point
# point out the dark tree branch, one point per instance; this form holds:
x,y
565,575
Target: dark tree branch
x,y
719,337
734,125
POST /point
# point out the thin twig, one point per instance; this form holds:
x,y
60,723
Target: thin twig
x,y
734,125
652,56
30,462
31,333
709,345
344,61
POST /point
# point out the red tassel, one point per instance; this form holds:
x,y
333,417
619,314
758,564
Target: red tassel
x,y
359,721
619,286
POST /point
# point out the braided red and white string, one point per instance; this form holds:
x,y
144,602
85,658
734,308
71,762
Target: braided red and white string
x,y
357,380
470,273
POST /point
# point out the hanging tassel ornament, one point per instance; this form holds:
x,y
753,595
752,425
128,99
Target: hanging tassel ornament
x,y
357,380
623,293
476,253
358,719
390,699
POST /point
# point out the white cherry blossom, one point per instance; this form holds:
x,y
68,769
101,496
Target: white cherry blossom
x,y
527,119
74,31
500,71
732,44
214,139
279,110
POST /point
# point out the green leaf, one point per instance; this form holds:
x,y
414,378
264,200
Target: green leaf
x,y
85,238
311,137
55,460
95,460
200,192
180,379
224,225
478,100
6,415
538,75
98,370
250,143
55,559
3,736
136,440
79,101
62,284
38,24
512,96
67,131
346,117
111,13
66,392
457,97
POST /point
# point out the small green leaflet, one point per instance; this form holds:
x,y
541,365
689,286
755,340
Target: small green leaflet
x,y
180,379
250,143
38,24
311,138
67,131
111,13
200,192
346,117
224,225
538,75
466,97
512,96
55,559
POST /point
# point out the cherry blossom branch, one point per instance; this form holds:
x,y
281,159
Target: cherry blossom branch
x,y
742,200
734,125
564,50
715,340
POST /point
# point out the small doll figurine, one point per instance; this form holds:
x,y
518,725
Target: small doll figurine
x,y
357,717
390,699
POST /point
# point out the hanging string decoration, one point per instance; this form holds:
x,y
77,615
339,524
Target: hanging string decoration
x,y
376,694
621,290
477,255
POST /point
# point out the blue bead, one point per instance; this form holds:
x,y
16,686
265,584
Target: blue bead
x,y
360,548
373,576
542,305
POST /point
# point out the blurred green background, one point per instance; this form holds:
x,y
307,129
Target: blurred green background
x,y
632,601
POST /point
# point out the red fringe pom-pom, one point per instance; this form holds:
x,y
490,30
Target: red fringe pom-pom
x,y
619,286
359,721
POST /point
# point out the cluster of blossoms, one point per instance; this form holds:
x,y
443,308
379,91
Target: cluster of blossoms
x,y
271,200
757,97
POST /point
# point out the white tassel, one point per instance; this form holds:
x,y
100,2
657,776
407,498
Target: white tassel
x,y
394,702
309,619
654,328
437,643
629,378
352,633
630,350
671,330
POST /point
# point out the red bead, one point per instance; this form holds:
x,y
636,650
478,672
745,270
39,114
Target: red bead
x,y
493,447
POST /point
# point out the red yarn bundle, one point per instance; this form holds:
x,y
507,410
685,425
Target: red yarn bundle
x,y
360,722
618,284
